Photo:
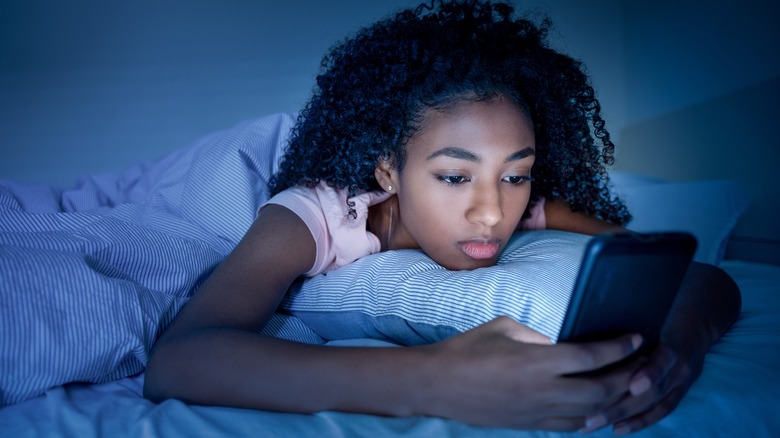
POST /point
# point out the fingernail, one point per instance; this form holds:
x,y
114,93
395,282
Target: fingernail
x,y
636,341
594,422
639,386
621,430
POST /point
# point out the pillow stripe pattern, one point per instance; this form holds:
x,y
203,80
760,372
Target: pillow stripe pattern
x,y
405,297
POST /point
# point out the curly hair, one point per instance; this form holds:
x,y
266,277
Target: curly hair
x,y
374,88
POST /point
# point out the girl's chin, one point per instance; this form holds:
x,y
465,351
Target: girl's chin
x,y
469,264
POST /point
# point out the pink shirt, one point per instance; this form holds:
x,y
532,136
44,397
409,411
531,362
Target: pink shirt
x,y
340,238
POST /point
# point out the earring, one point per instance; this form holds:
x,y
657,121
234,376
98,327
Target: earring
x,y
389,188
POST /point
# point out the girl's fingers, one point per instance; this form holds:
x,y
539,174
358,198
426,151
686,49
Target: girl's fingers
x,y
652,416
591,356
559,424
520,332
653,371
656,390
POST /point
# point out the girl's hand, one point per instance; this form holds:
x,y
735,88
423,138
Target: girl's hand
x,y
706,306
657,387
489,376
518,332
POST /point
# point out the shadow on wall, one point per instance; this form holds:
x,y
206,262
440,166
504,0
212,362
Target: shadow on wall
x,y
731,137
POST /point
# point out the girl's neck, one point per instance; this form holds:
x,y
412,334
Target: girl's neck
x,y
384,221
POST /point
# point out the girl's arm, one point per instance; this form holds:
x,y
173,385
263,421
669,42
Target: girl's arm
x,y
212,354
558,216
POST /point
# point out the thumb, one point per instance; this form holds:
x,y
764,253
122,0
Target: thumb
x,y
520,332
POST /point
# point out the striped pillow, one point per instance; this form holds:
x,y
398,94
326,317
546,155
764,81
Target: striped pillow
x,y
406,298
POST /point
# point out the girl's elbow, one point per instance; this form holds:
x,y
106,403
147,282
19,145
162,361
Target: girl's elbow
x,y
157,377
720,281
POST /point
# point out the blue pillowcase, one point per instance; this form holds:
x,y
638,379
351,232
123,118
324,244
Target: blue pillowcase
x,y
406,298
709,209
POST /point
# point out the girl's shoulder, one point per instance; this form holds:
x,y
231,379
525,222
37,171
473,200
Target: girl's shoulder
x,y
337,222
330,200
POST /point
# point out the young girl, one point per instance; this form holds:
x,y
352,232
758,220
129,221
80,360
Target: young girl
x,y
445,128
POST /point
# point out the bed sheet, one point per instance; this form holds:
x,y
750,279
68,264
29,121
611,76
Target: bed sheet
x,y
737,395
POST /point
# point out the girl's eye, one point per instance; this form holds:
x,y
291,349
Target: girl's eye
x,y
452,180
518,179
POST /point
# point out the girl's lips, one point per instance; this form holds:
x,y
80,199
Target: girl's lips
x,y
480,249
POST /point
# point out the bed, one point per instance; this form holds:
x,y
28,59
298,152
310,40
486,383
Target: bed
x,y
89,275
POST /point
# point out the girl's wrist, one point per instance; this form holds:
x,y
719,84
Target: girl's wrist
x,y
427,394
433,384
404,384
687,338
707,305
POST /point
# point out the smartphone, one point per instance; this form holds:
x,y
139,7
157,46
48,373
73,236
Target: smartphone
x,y
627,284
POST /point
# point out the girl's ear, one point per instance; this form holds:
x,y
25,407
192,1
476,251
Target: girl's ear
x,y
386,175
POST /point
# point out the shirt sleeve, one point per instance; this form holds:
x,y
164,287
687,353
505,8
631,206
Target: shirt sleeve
x,y
305,203
340,238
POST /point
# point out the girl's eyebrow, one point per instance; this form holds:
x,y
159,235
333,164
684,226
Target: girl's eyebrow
x,y
521,154
463,154
459,153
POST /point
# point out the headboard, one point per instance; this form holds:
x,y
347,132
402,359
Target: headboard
x,y
731,137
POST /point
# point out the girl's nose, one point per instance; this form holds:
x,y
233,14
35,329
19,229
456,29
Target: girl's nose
x,y
486,207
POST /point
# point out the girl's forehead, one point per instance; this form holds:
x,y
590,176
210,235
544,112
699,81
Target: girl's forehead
x,y
490,124
461,114
469,108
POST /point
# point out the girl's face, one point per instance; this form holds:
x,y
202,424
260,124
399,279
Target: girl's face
x,y
465,183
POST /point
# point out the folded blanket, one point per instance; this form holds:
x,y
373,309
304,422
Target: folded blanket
x,y
90,275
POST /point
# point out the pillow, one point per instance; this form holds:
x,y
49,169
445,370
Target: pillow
x,y
708,209
406,298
